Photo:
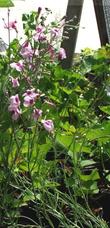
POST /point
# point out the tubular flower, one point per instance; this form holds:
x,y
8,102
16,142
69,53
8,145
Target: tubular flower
x,y
51,51
55,32
26,50
39,29
11,25
14,107
15,114
18,66
15,82
62,54
30,97
25,44
14,102
36,114
40,36
48,125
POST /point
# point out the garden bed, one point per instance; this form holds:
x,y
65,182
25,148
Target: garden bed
x,y
54,131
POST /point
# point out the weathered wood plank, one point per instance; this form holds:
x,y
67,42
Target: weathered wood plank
x,y
74,10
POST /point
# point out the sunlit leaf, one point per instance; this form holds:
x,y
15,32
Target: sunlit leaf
x,y
105,109
87,163
108,177
6,3
103,131
91,177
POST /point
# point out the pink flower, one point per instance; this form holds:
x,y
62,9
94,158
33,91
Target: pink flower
x,y
25,44
15,114
18,66
31,66
31,93
55,32
51,51
40,36
28,101
26,50
30,97
14,102
14,107
15,82
48,125
11,25
62,54
39,29
36,114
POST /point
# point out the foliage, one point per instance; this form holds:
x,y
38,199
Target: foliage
x,y
6,3
54,129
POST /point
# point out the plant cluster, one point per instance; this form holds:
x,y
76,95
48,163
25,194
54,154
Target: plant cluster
x,y
54,129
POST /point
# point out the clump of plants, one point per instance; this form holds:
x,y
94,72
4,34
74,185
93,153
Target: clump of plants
x,y
54,129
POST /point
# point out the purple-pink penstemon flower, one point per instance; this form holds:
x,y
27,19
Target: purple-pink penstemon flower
x,y
40,35
19,66
51,51
16,114
55,32
27,51
40,29
48,125
15,82
36,114
62,54
11,25
14,101
14,106
28,101
30,97
25,44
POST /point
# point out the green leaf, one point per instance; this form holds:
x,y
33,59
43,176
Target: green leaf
x,y
29,196
25,17
105,109
108,177
66,90
94,188
78,148
103,131
69,128
44,149
91,177
87,163
65,140
6,3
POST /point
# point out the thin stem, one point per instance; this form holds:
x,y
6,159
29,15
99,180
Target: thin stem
x,y
9,33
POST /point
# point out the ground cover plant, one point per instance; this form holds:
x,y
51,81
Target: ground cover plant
x,y
54,130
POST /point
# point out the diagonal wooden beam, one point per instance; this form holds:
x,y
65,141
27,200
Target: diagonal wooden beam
x,y
101,22
74,10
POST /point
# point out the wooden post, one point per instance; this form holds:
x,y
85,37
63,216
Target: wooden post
x,y
74,10
101,22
